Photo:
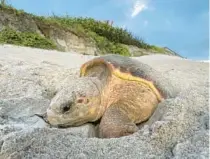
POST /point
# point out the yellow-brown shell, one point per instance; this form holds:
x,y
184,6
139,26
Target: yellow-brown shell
x,y
124,68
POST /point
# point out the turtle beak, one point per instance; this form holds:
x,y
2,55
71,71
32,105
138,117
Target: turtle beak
x,y
43,117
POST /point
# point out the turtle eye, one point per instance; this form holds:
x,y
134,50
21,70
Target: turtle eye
x,y
66,107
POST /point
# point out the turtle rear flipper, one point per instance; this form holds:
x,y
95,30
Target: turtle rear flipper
x,y
115,123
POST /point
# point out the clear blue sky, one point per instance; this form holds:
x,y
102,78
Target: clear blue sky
x,y
181,25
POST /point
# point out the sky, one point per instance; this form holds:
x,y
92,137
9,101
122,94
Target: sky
x,y
181,25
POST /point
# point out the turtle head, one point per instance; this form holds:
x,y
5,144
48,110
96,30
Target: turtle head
x,y
75,104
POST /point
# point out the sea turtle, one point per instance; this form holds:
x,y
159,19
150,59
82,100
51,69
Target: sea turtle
x,y
118,91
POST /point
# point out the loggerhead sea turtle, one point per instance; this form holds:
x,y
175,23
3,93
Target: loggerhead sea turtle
x,y
118,91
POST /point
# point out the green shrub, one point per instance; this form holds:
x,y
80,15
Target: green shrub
x,y
108,47
10,36
119,49
158,49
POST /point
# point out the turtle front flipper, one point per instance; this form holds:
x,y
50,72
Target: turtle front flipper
x,y
115,123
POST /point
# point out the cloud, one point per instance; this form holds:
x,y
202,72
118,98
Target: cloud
x,y
138,7
131,9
